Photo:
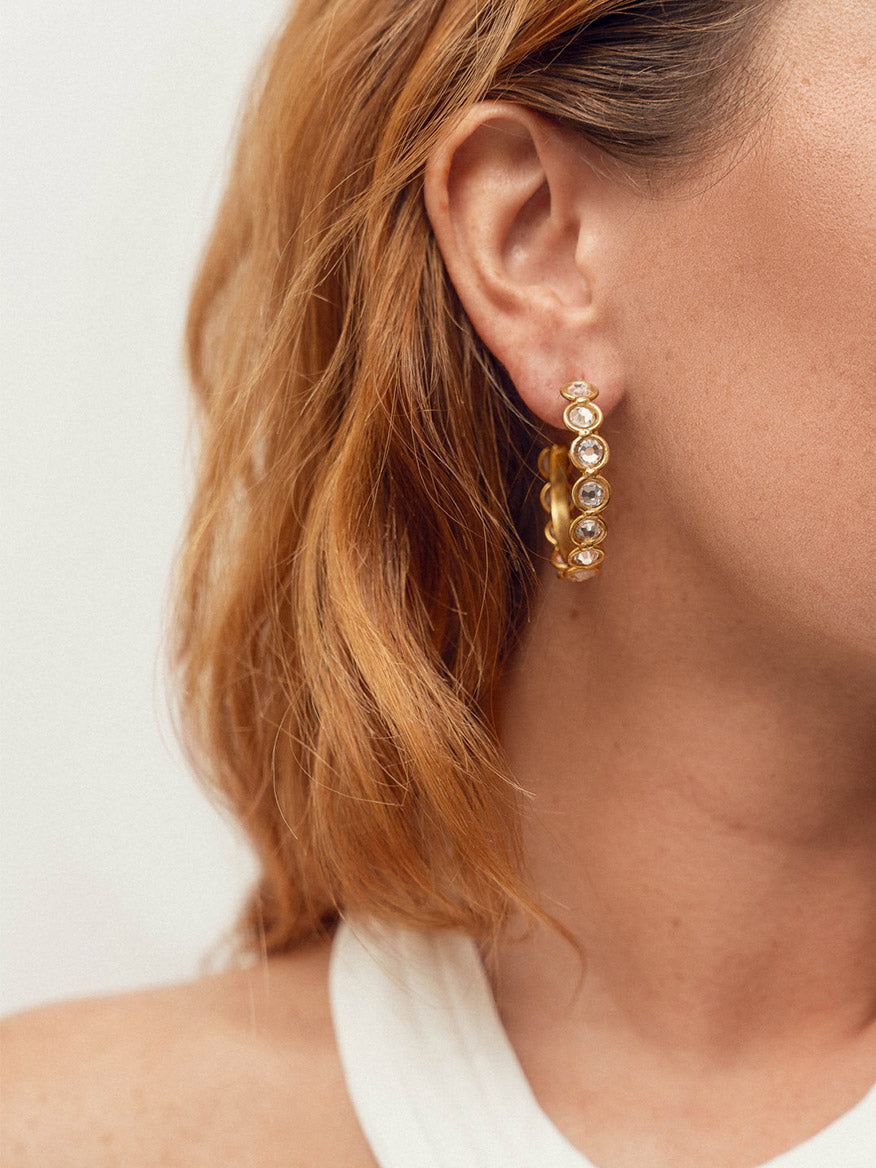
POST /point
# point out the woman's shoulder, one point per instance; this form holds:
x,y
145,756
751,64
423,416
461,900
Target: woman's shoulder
x,y
239,1068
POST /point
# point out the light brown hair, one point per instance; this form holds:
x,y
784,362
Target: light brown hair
x,y
359,556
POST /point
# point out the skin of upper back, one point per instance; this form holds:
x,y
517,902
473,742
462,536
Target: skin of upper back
x,y
239,1068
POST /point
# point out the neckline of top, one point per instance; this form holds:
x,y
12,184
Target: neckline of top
x,y
415,1010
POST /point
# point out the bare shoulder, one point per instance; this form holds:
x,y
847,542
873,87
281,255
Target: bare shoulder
x,y
238,1068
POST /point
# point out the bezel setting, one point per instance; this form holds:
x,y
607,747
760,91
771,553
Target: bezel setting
x,y
586,538
579,391
572,421
596,449
591,507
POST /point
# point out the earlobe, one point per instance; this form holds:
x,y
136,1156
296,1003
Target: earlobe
x,y
505,192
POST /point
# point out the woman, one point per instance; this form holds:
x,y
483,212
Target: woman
x,y
596,808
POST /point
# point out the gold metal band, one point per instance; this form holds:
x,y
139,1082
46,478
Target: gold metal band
x,y
576,526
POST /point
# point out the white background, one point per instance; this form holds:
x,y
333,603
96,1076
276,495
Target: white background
x,y
116,871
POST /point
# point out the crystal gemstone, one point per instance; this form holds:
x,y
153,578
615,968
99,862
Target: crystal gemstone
x,y
582,417
582,573
588,530
589,493
581,389
588,452
584,557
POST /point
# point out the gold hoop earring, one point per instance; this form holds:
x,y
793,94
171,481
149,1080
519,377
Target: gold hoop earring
x,y
575,535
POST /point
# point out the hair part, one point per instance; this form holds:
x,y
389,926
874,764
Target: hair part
x,y
359,557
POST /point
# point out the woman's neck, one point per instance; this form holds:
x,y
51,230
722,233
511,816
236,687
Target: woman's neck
x,y
703,818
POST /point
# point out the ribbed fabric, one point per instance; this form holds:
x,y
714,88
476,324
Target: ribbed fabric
x,y
433,1077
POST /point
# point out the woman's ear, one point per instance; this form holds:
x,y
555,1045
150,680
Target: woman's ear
x,y
518,211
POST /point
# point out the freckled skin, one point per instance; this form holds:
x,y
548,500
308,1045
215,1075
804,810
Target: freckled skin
x,y
764,417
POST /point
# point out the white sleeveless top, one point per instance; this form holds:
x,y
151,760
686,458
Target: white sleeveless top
x,y
433,1077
